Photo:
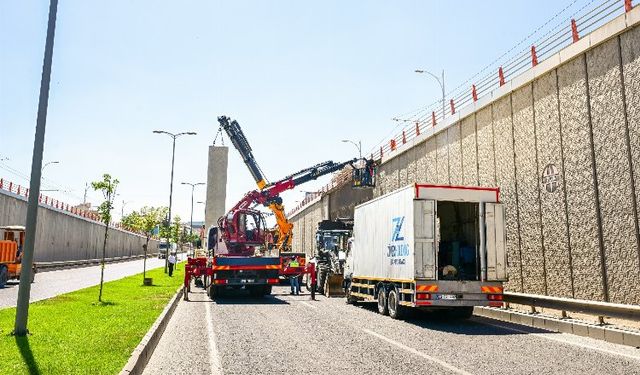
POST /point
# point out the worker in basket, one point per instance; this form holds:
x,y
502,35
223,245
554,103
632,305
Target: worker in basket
x,y
295,283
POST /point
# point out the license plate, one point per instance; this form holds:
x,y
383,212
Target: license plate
x,y
446,296
247,281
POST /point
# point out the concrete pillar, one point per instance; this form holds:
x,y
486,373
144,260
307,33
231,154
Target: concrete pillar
x,y
216,184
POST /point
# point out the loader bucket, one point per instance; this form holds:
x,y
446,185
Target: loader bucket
x,y
333,286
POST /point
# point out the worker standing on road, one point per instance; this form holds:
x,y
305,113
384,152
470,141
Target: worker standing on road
x,y
172,263
295,283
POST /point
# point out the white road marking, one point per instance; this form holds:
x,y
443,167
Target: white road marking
x,y
418,353
308,304
214,357
549,336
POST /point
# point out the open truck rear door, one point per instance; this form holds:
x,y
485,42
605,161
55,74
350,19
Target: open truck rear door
x,y
425,238
496,242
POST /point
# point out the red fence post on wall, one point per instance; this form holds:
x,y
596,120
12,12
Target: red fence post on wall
x,y
534,57
392,144
474,93
404,138
1,183
574,31
501,76
417,128
433,119
26,193
10,186
453,108
627,6
381,154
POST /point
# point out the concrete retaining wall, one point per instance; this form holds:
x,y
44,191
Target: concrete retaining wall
x,y
62,236
575,120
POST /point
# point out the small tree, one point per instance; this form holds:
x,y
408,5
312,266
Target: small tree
x,y
175,234
132,222
108,187
150,218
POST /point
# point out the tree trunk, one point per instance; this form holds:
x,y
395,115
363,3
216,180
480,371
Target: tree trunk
x,y
104,250
144,262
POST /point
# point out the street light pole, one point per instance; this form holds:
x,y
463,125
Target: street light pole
x,y
441,82
24,290
193,186
173,157
358,146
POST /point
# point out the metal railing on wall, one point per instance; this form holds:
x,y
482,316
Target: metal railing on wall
x,y
571,30
53,203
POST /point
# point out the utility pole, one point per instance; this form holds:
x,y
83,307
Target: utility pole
x,y
24,291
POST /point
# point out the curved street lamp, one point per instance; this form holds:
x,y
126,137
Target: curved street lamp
x,y
173,157
358,146
193,186
441,82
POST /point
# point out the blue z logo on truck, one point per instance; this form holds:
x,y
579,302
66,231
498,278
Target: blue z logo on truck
x,y
397,227
397,249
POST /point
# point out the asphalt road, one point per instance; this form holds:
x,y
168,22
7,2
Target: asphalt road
x,y
52,283
283,334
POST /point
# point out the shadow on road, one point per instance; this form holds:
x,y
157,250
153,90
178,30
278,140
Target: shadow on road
x,y
475,326
27,355
242,298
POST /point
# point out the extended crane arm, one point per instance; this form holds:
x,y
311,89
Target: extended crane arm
x,y
237,137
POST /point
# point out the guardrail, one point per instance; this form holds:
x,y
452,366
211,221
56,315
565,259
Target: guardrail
x,y
600,309
52,266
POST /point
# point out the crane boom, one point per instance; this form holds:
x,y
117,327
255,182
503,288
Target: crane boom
x,y
269,193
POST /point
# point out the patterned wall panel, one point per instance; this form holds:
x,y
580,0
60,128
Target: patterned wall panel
x,y
630,47
613,172
469,151
550,178
455,155
486,151
528,203
432,161
442,163
506,180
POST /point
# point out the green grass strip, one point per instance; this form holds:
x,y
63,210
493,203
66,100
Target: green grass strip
x,y
74,334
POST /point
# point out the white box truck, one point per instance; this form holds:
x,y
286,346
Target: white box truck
x,y
431,247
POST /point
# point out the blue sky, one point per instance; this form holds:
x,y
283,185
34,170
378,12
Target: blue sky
x,y
298,76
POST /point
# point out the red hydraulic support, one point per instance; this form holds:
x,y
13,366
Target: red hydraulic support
x,y
534,56
474,93
453,108
574,31
417,129
433,119
628,6
501,76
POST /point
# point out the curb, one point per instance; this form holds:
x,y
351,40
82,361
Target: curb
x,y
579,328
144,350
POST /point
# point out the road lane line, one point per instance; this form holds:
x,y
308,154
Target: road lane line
x,y
214,357
418,353
561,340
308,304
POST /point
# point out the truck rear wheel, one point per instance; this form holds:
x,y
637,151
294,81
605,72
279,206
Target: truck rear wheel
x,y
396,310
383,308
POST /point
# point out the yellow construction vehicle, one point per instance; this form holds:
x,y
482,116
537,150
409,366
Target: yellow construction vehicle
x,y
11,245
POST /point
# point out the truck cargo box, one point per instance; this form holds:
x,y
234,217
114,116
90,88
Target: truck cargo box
x,y
430,238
